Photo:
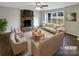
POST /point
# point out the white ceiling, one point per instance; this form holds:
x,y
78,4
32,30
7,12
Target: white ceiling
x,y
31,5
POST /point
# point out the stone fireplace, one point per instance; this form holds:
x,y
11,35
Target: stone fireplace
x,y
26,20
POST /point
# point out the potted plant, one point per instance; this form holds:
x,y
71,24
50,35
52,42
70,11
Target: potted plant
x,y
3,24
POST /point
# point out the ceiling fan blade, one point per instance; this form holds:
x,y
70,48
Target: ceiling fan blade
x,y
44,5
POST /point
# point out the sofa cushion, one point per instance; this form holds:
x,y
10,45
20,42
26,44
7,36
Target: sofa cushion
x,y
52,30
54,26
13,37
60,29
20,36
47,24
17,40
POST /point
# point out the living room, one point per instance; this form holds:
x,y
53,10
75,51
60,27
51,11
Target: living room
x,y
39,29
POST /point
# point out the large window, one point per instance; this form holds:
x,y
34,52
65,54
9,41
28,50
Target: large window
x,y
56,17
60,18
60,13
49,17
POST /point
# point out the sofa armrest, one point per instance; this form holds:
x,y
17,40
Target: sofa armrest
x,y
19,47
20,42
35,43
35,48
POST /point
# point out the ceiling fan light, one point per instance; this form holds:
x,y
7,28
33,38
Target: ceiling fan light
x,y
37,8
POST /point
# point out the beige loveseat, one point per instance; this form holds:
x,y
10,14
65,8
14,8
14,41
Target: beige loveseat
x,y
48,46
18,46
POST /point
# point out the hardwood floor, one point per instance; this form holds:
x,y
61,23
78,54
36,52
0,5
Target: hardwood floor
x,y
5,47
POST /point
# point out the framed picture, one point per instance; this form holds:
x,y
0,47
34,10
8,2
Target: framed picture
x,y
71,16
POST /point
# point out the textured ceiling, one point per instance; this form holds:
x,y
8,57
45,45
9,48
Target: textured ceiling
x,y
31,5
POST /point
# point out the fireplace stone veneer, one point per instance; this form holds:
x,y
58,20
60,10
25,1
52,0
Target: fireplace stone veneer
x,y
26,20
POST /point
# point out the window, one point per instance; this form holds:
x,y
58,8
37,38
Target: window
x,y
54,14
56,17
60,17
60,13
49,17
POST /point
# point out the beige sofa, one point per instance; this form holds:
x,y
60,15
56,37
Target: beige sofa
x,y
48,46
53,27
20,46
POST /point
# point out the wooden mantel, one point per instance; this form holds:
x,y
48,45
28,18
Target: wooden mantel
x,y
26,18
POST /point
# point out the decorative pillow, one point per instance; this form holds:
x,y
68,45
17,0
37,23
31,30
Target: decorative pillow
x,y
17,30
17,40
60,29
13,37
12,30
20,38
21,35
49,24
54,26
52,30
57,27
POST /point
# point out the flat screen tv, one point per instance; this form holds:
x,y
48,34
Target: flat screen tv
x,y
27,23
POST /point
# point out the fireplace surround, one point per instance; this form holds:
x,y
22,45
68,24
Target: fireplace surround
x,y
26,20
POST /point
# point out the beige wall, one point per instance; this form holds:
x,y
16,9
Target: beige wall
x,y
12,15
70,26
42,16
37,18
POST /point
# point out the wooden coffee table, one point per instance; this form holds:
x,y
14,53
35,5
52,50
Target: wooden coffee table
x,y
37,35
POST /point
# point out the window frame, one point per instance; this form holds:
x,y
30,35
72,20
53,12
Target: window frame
x,y
55,16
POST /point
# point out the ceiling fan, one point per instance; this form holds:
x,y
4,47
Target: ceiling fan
x,y
39,5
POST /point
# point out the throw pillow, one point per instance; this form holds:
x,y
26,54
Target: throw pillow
x,y
21,35
16,39
54,26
